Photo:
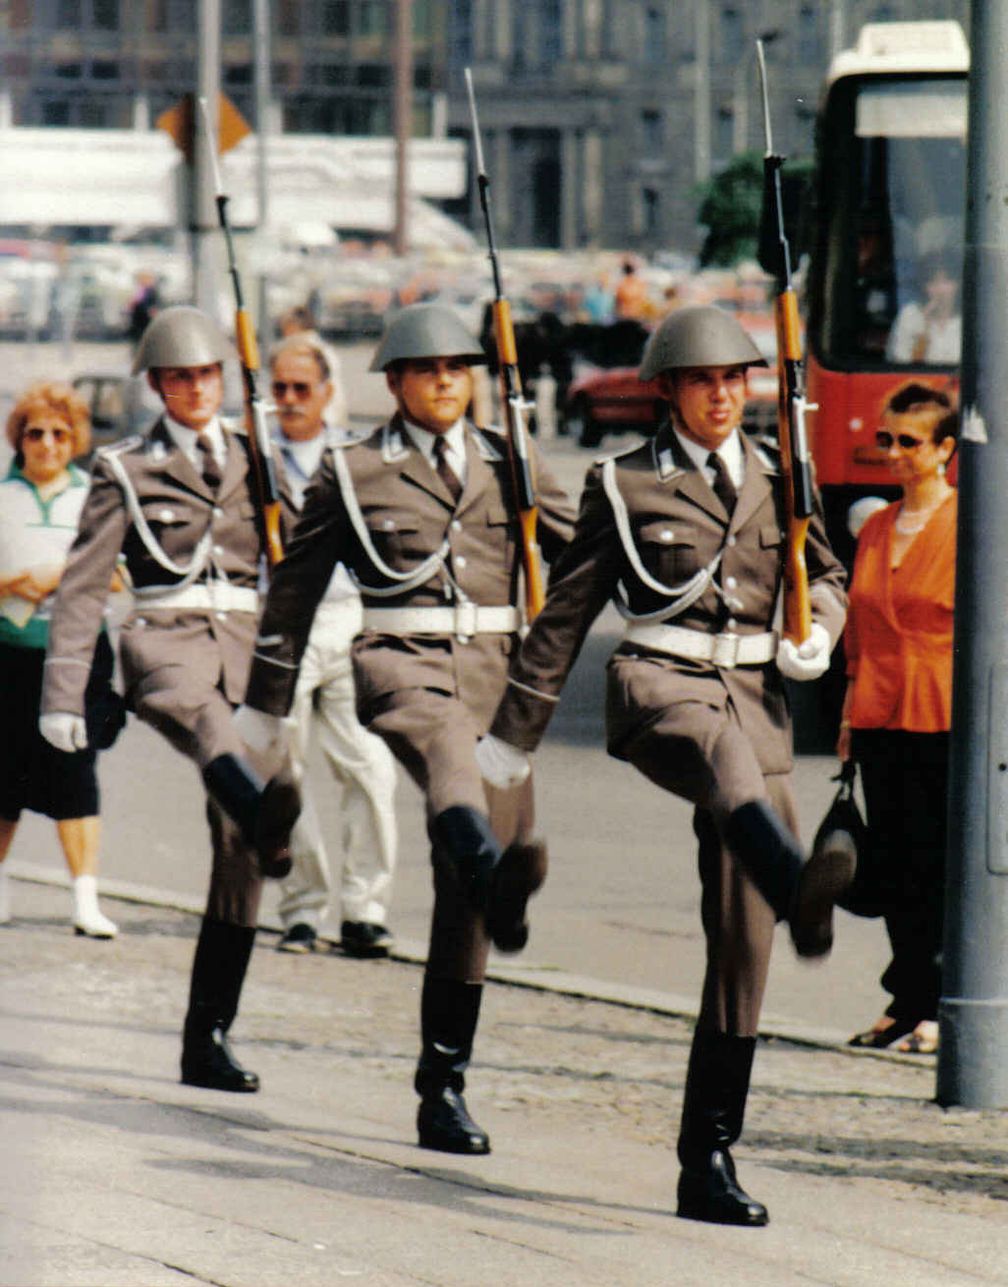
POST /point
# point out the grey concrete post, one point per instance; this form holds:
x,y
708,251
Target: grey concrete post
x,y
973,1055
203,223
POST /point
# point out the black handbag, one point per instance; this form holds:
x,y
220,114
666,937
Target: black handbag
x,y
866,896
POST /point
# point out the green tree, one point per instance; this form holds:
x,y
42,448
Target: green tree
x,y
731,205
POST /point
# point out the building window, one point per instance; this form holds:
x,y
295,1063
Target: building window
x,y
373,18
56,112
289,18
68,13
335,18
650,211
68,71
238,74
655,34
652,131
104,69
105,15
724,133
732,35
551,36
236,18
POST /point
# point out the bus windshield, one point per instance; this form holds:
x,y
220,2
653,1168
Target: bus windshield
x,y
891,189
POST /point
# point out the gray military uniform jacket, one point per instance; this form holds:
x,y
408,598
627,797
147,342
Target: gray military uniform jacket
x,y
148,503
377,504
677,527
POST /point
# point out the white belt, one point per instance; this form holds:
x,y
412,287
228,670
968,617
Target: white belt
x,y
462,619
727,650
215,596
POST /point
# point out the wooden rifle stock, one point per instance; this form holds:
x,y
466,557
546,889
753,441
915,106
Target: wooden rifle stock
x,y
794,457
256,424
512,399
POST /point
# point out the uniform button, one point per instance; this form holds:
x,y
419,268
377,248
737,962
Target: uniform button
x,y
221,616
389,525
166,515
730,582
731,542
218,549
732,623
141,621
218,512
456,526
666,534
460,561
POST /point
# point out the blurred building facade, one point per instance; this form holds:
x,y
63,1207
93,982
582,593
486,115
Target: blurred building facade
x,y
600,117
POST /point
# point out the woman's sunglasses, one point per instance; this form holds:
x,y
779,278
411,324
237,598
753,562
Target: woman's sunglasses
x,y
36,434
906,440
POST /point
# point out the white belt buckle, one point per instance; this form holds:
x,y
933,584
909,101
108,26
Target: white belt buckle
x,y
725,650
465,620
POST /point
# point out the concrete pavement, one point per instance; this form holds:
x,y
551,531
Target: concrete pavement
x,y
115,1174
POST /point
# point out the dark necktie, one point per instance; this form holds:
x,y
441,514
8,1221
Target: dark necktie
x,y
444,471
724,488
210,471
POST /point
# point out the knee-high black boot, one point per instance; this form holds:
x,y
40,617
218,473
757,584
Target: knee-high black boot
x,y
717,1084
449,1010
265,812
803,893
219,965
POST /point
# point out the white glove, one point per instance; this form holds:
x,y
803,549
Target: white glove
x,y
64,731
500,763
805,661
259,731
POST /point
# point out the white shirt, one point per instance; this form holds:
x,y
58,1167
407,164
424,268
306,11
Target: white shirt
x,y
301,459
185,439
454,438
730,452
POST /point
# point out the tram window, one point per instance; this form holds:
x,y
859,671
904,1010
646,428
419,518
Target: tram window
x,y
893,182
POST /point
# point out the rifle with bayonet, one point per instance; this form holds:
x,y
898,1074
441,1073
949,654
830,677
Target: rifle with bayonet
x,y
516,407
791,404
256,423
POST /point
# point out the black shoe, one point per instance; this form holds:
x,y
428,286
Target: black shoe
x,y
208,1062
364,940
826,876
713,1194
444,1124
520,872
299,938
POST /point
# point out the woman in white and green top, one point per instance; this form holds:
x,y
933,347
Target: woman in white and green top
x,y
40,503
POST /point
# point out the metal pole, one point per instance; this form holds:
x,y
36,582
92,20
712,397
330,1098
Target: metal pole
x,y
261,38
701,94
203,212
402,119
973,1054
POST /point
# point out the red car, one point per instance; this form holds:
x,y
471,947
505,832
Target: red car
x,y
603,401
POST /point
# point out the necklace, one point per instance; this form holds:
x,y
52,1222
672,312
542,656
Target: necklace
x,y
905,522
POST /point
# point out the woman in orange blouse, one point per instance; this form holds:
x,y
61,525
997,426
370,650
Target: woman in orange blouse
x,y
897,710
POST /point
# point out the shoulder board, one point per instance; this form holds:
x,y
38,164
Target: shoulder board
x,y
618,454
490,442
347,438
768,454
121,447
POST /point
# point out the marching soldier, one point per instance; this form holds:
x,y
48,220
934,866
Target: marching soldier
x,y
685,535
421,514
177,506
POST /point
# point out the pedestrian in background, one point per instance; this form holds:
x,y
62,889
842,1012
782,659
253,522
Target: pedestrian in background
x,y
40,503
685,535
178,505
324,699
897,710
422,513
301,321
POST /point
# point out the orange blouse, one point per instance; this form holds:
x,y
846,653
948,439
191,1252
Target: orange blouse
x,y
898,638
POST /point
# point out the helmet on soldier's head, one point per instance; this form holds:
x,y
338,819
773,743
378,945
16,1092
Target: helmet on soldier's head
x,y
702,335
426,331
181,336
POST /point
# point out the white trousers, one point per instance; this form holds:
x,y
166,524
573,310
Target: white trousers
x,y
364,768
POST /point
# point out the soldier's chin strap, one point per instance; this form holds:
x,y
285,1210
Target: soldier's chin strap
x,y
683,596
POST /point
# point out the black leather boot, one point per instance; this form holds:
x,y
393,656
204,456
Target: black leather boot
x,y
264,812
222,955
520,872
448,1014
717,1084
803,893
463,842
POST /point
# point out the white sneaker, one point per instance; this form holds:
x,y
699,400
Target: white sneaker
x,y
5,904
88,919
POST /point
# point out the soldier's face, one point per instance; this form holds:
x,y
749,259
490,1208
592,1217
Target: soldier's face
x,y
300,394
708,401
192,395
432,392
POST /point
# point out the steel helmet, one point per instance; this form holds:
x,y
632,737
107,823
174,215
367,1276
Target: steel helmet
x,y
425,331
181,336
702,335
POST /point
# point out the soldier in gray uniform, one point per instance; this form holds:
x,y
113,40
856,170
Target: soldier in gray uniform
x,y
685,535
177,508
421,514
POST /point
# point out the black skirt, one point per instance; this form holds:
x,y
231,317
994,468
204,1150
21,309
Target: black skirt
x,y
33,774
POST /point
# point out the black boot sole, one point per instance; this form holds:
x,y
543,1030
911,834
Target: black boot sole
x,y
247,1084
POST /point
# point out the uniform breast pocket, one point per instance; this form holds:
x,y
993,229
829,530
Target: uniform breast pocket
x,y
396,536
668,551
